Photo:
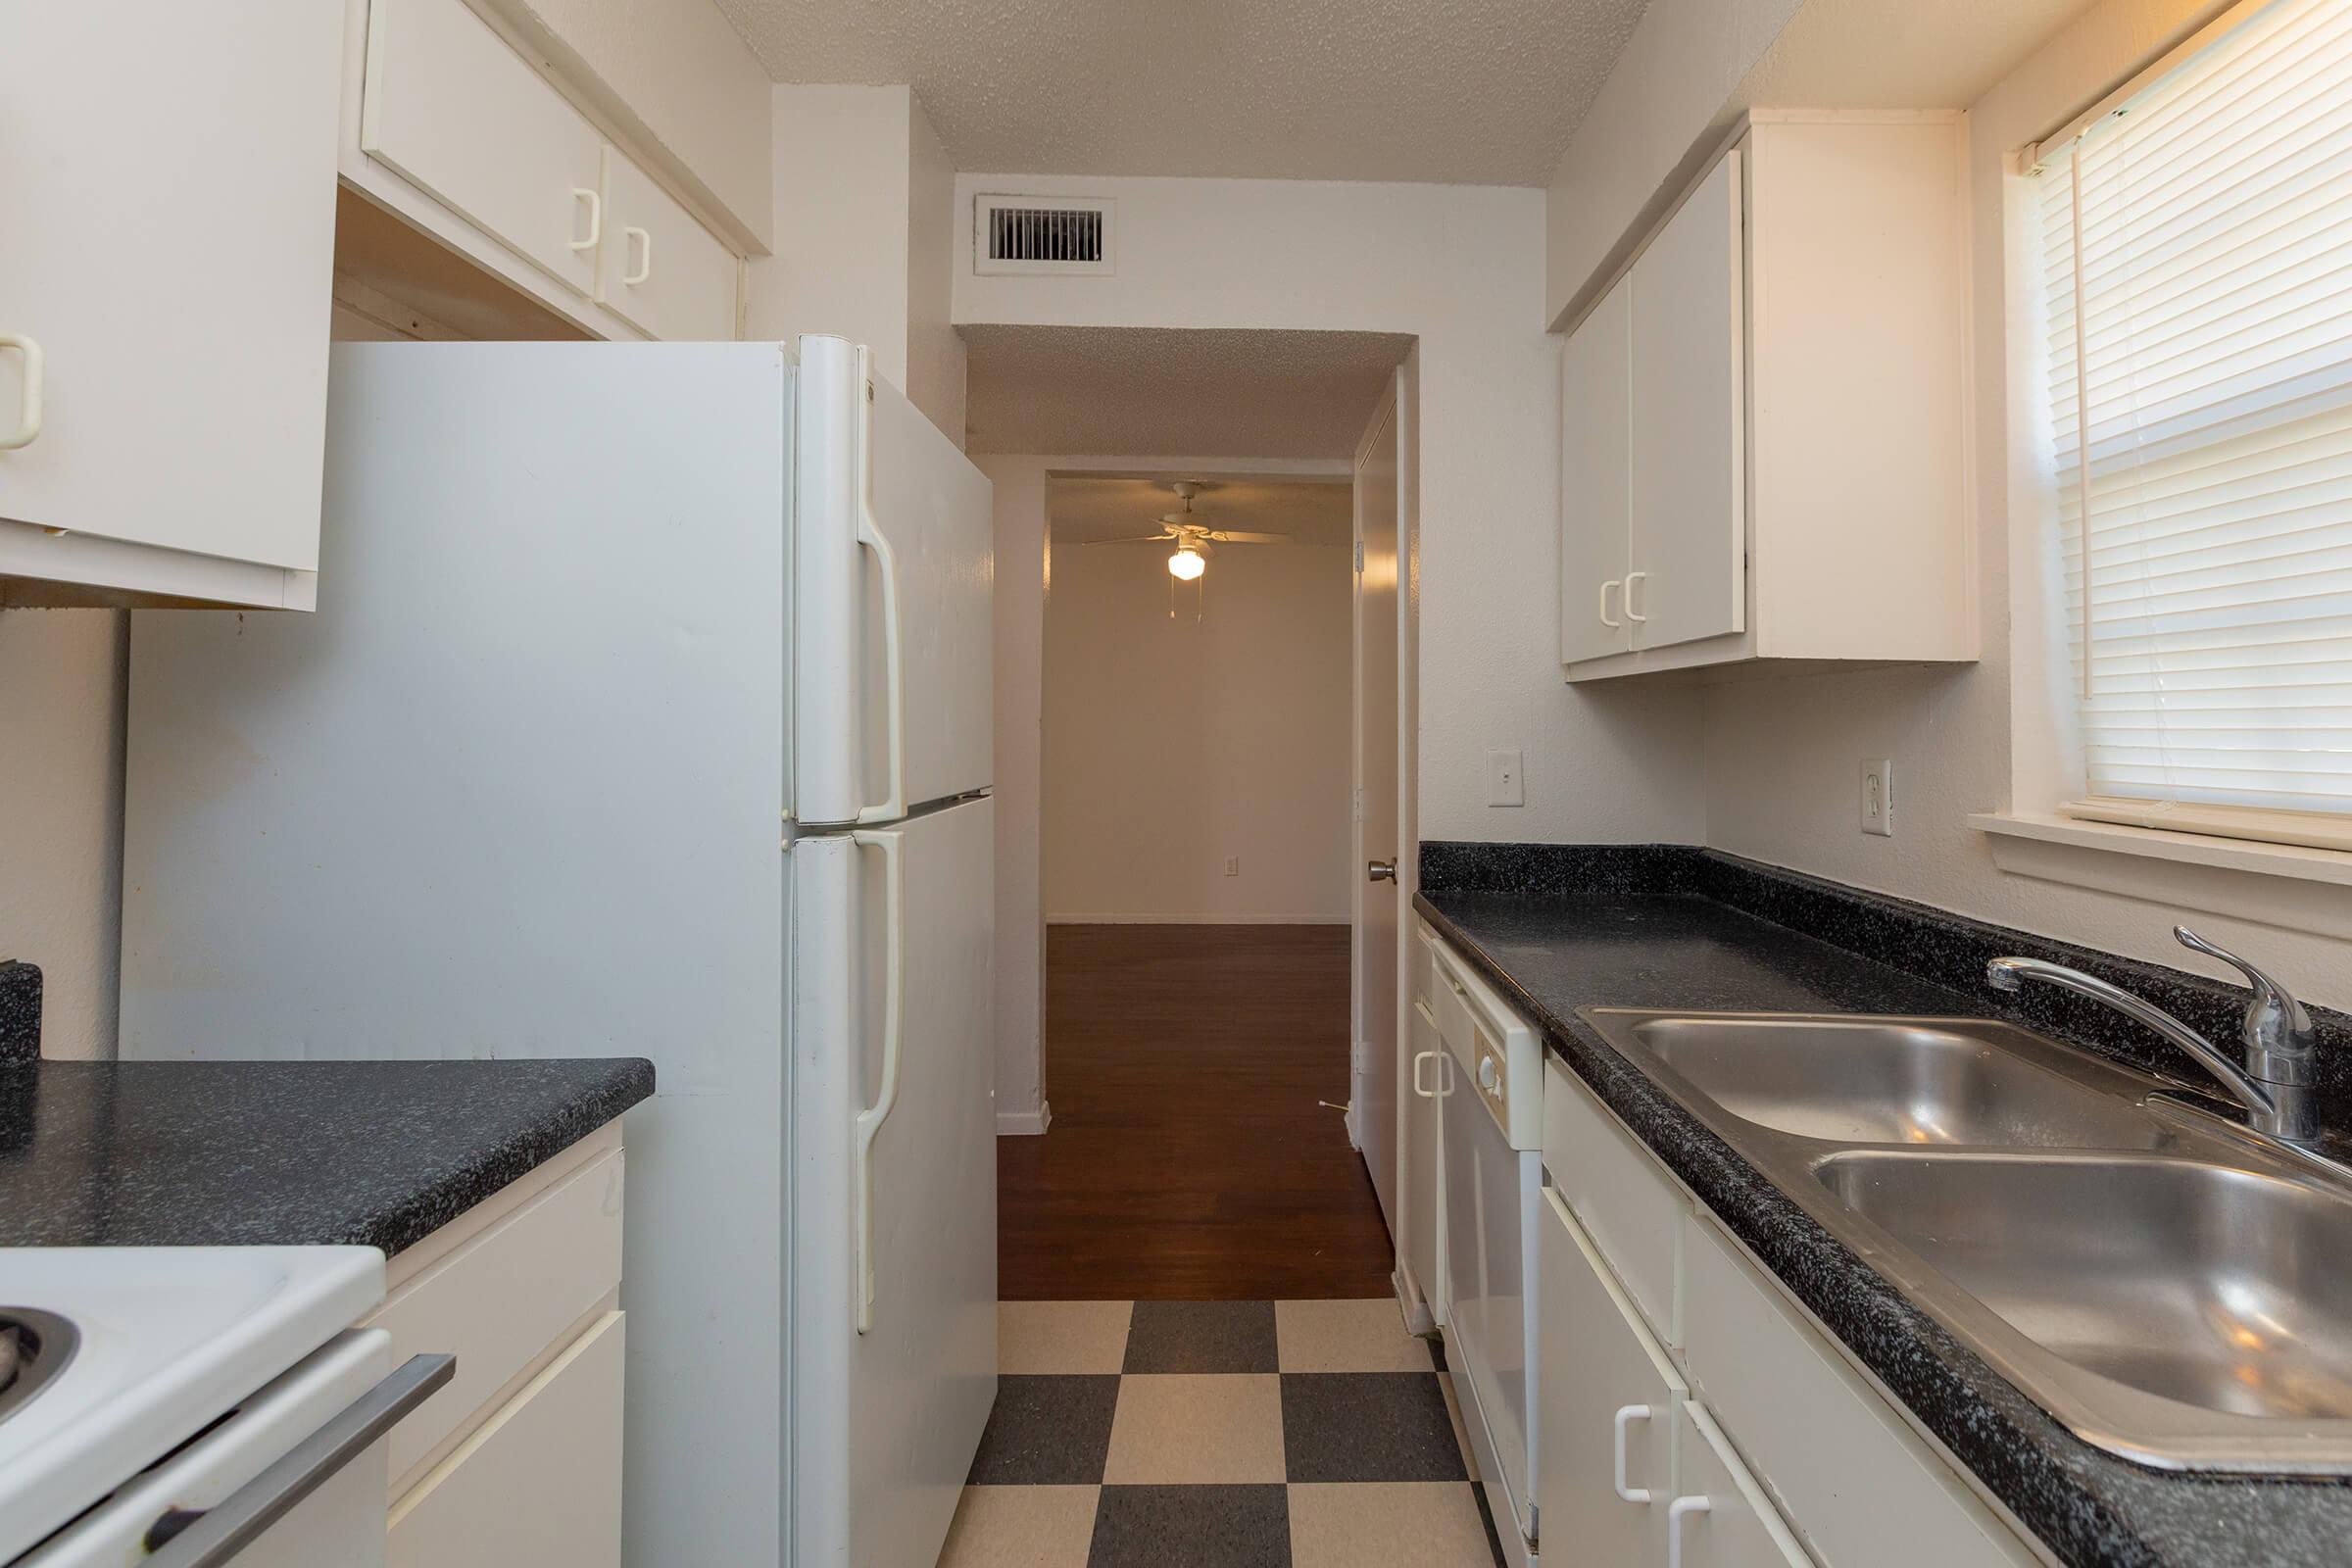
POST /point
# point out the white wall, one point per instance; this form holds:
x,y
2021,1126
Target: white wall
x,y
1173,743
1023,572
1692,67
1672,93
60,815
1462,268
862,193
680,82
1782,756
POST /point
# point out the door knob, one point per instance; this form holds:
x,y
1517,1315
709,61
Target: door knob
x,y
1380,870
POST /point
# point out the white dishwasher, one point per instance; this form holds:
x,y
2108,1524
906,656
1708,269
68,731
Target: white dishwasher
x,y
1493,1180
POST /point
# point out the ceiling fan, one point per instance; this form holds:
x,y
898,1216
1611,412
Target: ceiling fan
x,y
1193,537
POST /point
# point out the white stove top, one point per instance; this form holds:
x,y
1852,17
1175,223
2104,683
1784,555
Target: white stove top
x,y
170,1339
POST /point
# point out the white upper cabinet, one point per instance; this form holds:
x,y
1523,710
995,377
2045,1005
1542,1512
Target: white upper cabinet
x,y
1595,479
452,127
663,273
167,192
452,106
1687,578
1784,359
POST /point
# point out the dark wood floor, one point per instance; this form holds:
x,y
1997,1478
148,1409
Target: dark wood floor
x,y
1188,1159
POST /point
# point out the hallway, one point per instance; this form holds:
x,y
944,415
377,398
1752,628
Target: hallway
x,y
1187,1159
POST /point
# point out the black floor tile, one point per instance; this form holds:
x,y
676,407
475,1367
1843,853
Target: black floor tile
x,y
1048,1431
1367,1426
1486,1516
1192,1527
1201,1337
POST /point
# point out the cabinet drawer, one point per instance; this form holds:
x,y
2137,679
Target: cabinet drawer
x,y
1627,1203
502,1300
539,1484
454,110
1861,1484
663,273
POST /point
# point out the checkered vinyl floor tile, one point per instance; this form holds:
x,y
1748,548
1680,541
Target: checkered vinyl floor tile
x,y
1218,1435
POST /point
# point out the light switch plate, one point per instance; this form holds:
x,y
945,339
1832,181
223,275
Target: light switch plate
x,y
1877,795
1232,865
1503,784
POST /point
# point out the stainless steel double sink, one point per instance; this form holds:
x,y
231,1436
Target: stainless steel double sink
x,y
2170,1287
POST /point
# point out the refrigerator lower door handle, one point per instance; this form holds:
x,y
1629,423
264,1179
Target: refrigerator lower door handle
x,y
870,535
870,1119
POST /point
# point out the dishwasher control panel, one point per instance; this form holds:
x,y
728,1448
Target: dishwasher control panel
x,y
1499,1053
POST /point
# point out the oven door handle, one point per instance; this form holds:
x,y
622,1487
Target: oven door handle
x,y
212,1538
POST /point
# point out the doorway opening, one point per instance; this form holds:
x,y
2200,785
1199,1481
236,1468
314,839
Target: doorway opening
x,y
1190,1119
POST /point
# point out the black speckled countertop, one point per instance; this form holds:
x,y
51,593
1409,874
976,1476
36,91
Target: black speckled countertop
x,y
372,1154
1560,928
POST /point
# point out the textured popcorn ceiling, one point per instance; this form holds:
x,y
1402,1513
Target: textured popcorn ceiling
x,y
1228,392
1091,508
1470,91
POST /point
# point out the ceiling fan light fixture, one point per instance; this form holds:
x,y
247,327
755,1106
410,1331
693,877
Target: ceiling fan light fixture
x,y
1185,563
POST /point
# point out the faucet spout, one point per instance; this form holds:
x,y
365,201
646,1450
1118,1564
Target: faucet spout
x,y
2262,1100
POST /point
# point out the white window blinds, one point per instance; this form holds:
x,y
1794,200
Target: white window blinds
x,y
2198,293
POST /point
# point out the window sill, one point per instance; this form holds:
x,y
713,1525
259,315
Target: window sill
x,y
2276,884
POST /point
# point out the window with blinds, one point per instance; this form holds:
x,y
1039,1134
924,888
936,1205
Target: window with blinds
x,y
2197,249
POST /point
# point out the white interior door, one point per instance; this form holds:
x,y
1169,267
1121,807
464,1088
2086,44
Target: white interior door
x,y
1688,577
1379,1044
1609,1396
1595,478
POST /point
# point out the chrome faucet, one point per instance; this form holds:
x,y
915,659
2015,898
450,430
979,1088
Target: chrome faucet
x,y
2275,1086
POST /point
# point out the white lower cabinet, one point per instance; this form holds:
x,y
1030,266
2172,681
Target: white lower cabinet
x,y
1719,1516
516,1462
537,1484
1611,1398
1745,1437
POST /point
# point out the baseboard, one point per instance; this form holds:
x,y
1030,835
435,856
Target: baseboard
x,y
1024,1123
1197,919
1418,1318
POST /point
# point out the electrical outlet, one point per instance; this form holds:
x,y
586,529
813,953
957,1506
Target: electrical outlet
x,y
1877,795
1232,865
1503,784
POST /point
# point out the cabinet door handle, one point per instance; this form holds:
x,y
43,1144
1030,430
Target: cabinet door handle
x,y
1627,1413
1677,1511
1607,619
1631,578
645,256
29,407
1418,1058
596,218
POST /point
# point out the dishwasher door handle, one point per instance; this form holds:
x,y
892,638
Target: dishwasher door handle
x,y
210,1539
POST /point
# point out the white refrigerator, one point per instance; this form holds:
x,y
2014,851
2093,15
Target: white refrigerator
x,y
646,712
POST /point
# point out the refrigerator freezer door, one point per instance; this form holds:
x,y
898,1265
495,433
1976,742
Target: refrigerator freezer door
x,y
892,552
893,1181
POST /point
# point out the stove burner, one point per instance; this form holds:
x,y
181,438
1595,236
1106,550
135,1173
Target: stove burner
x,y
34,1348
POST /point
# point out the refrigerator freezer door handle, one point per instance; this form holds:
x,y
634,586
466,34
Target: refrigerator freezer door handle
x,y
870,535
870,1119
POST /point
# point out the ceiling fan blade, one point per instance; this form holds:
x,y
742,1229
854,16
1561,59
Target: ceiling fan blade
x,y
1229,537
1138,539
